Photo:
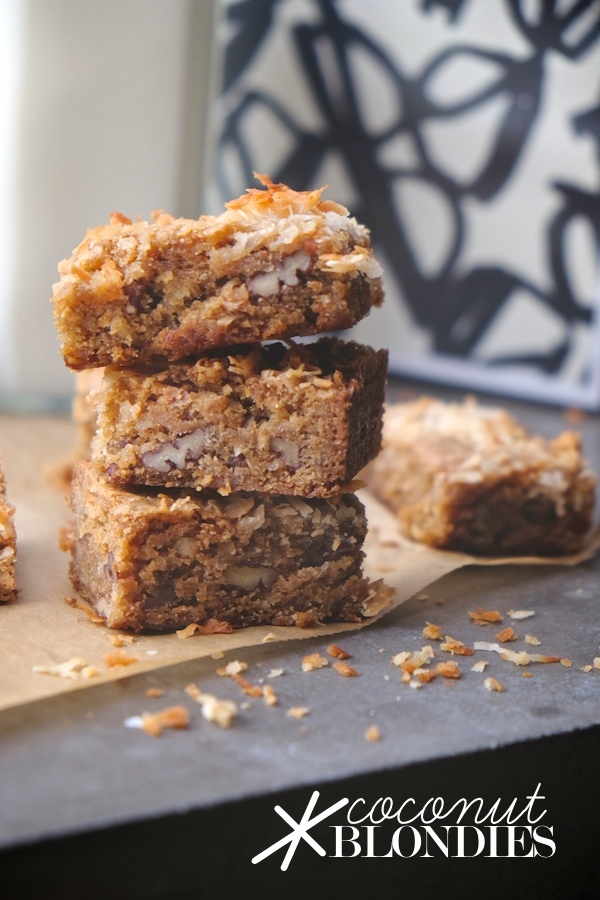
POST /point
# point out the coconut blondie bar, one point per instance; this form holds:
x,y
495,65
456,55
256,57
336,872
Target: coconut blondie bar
x,y
8,544
276,264
167,559
469,478
297,420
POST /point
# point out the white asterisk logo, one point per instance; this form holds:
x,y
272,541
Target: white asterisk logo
x,y
300,830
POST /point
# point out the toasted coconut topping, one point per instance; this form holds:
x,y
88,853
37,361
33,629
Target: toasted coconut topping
x,y
531,639
281,200
298,712
521,613
480,665
118,218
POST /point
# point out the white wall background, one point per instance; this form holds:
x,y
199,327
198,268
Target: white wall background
x,y
101,108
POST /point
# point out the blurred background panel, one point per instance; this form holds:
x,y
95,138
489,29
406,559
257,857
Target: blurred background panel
x,y
102,107
466,135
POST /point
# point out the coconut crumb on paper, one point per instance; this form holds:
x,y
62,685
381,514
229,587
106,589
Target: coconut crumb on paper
x,y
219,712
507,635
372,734
521,613
492,684
314,661
448,669
116,658
344,669
232,668
480,665
457,648
485,617
121,640
424,675
188,631
338,653
171,717
531,639
298,712
70,669
269,695
432,632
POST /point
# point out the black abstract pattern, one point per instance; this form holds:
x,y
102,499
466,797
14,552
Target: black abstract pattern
x,y
456,307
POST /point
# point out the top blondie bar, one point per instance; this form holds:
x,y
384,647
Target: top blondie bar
x,y
276,264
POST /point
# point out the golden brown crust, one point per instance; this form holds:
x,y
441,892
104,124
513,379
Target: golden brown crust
x,y
276,264
8,544
463,477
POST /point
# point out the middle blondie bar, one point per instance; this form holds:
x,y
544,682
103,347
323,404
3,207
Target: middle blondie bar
x,y
299,420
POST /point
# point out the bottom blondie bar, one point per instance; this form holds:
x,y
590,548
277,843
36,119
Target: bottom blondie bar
x,y
160,560
8,542
469,478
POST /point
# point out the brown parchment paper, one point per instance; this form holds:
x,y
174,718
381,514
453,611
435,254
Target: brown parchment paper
x,y
39,628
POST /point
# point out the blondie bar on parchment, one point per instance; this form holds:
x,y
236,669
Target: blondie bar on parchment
x,y
470,478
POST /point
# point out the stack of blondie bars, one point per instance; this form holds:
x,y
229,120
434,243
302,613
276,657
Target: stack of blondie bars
x,y
219,490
